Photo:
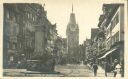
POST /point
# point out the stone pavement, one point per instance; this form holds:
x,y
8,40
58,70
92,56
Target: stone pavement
x,y
25,73
101,72
74,70
14,72
65,71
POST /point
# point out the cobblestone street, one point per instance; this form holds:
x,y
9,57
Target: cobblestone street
x,y
64,71
25,73
74,71
80,71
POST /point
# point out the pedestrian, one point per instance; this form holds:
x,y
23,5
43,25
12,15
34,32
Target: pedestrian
x,y
53,64
91,64
19,64
118,70
114,67
107,67
95,67
122,68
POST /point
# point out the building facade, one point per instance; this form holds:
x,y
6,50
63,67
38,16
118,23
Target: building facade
x,y
28,33
115,32
111,35
88,49
108,43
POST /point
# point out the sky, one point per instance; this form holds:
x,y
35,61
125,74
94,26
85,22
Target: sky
x,y
87,14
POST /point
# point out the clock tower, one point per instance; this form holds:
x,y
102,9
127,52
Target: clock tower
x,y
72,34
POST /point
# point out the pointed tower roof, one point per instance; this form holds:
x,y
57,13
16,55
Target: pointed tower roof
x,y
72,17
72,8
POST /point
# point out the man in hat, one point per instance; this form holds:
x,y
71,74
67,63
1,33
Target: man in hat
x,y
114,66
107,67
95,67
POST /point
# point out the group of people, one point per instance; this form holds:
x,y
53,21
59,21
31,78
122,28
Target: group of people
x,y
116,68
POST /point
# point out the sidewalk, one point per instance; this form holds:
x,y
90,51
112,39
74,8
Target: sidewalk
x,y
14,72
25,73
74,70
101,72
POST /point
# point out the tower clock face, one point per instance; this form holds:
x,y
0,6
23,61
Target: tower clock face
x,y
72,28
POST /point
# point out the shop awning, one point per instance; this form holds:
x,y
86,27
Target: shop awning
x,y
109,52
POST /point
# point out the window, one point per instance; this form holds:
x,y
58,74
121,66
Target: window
x,y
117,36
112,24
7,15
28,15
33,18
11,58
20,45
108,45
8,45
115,21
112,40
13,46
115,39
107,32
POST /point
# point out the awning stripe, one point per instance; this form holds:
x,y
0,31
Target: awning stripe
x,y
104,56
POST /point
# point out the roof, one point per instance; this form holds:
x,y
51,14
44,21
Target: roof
x,y
108,11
